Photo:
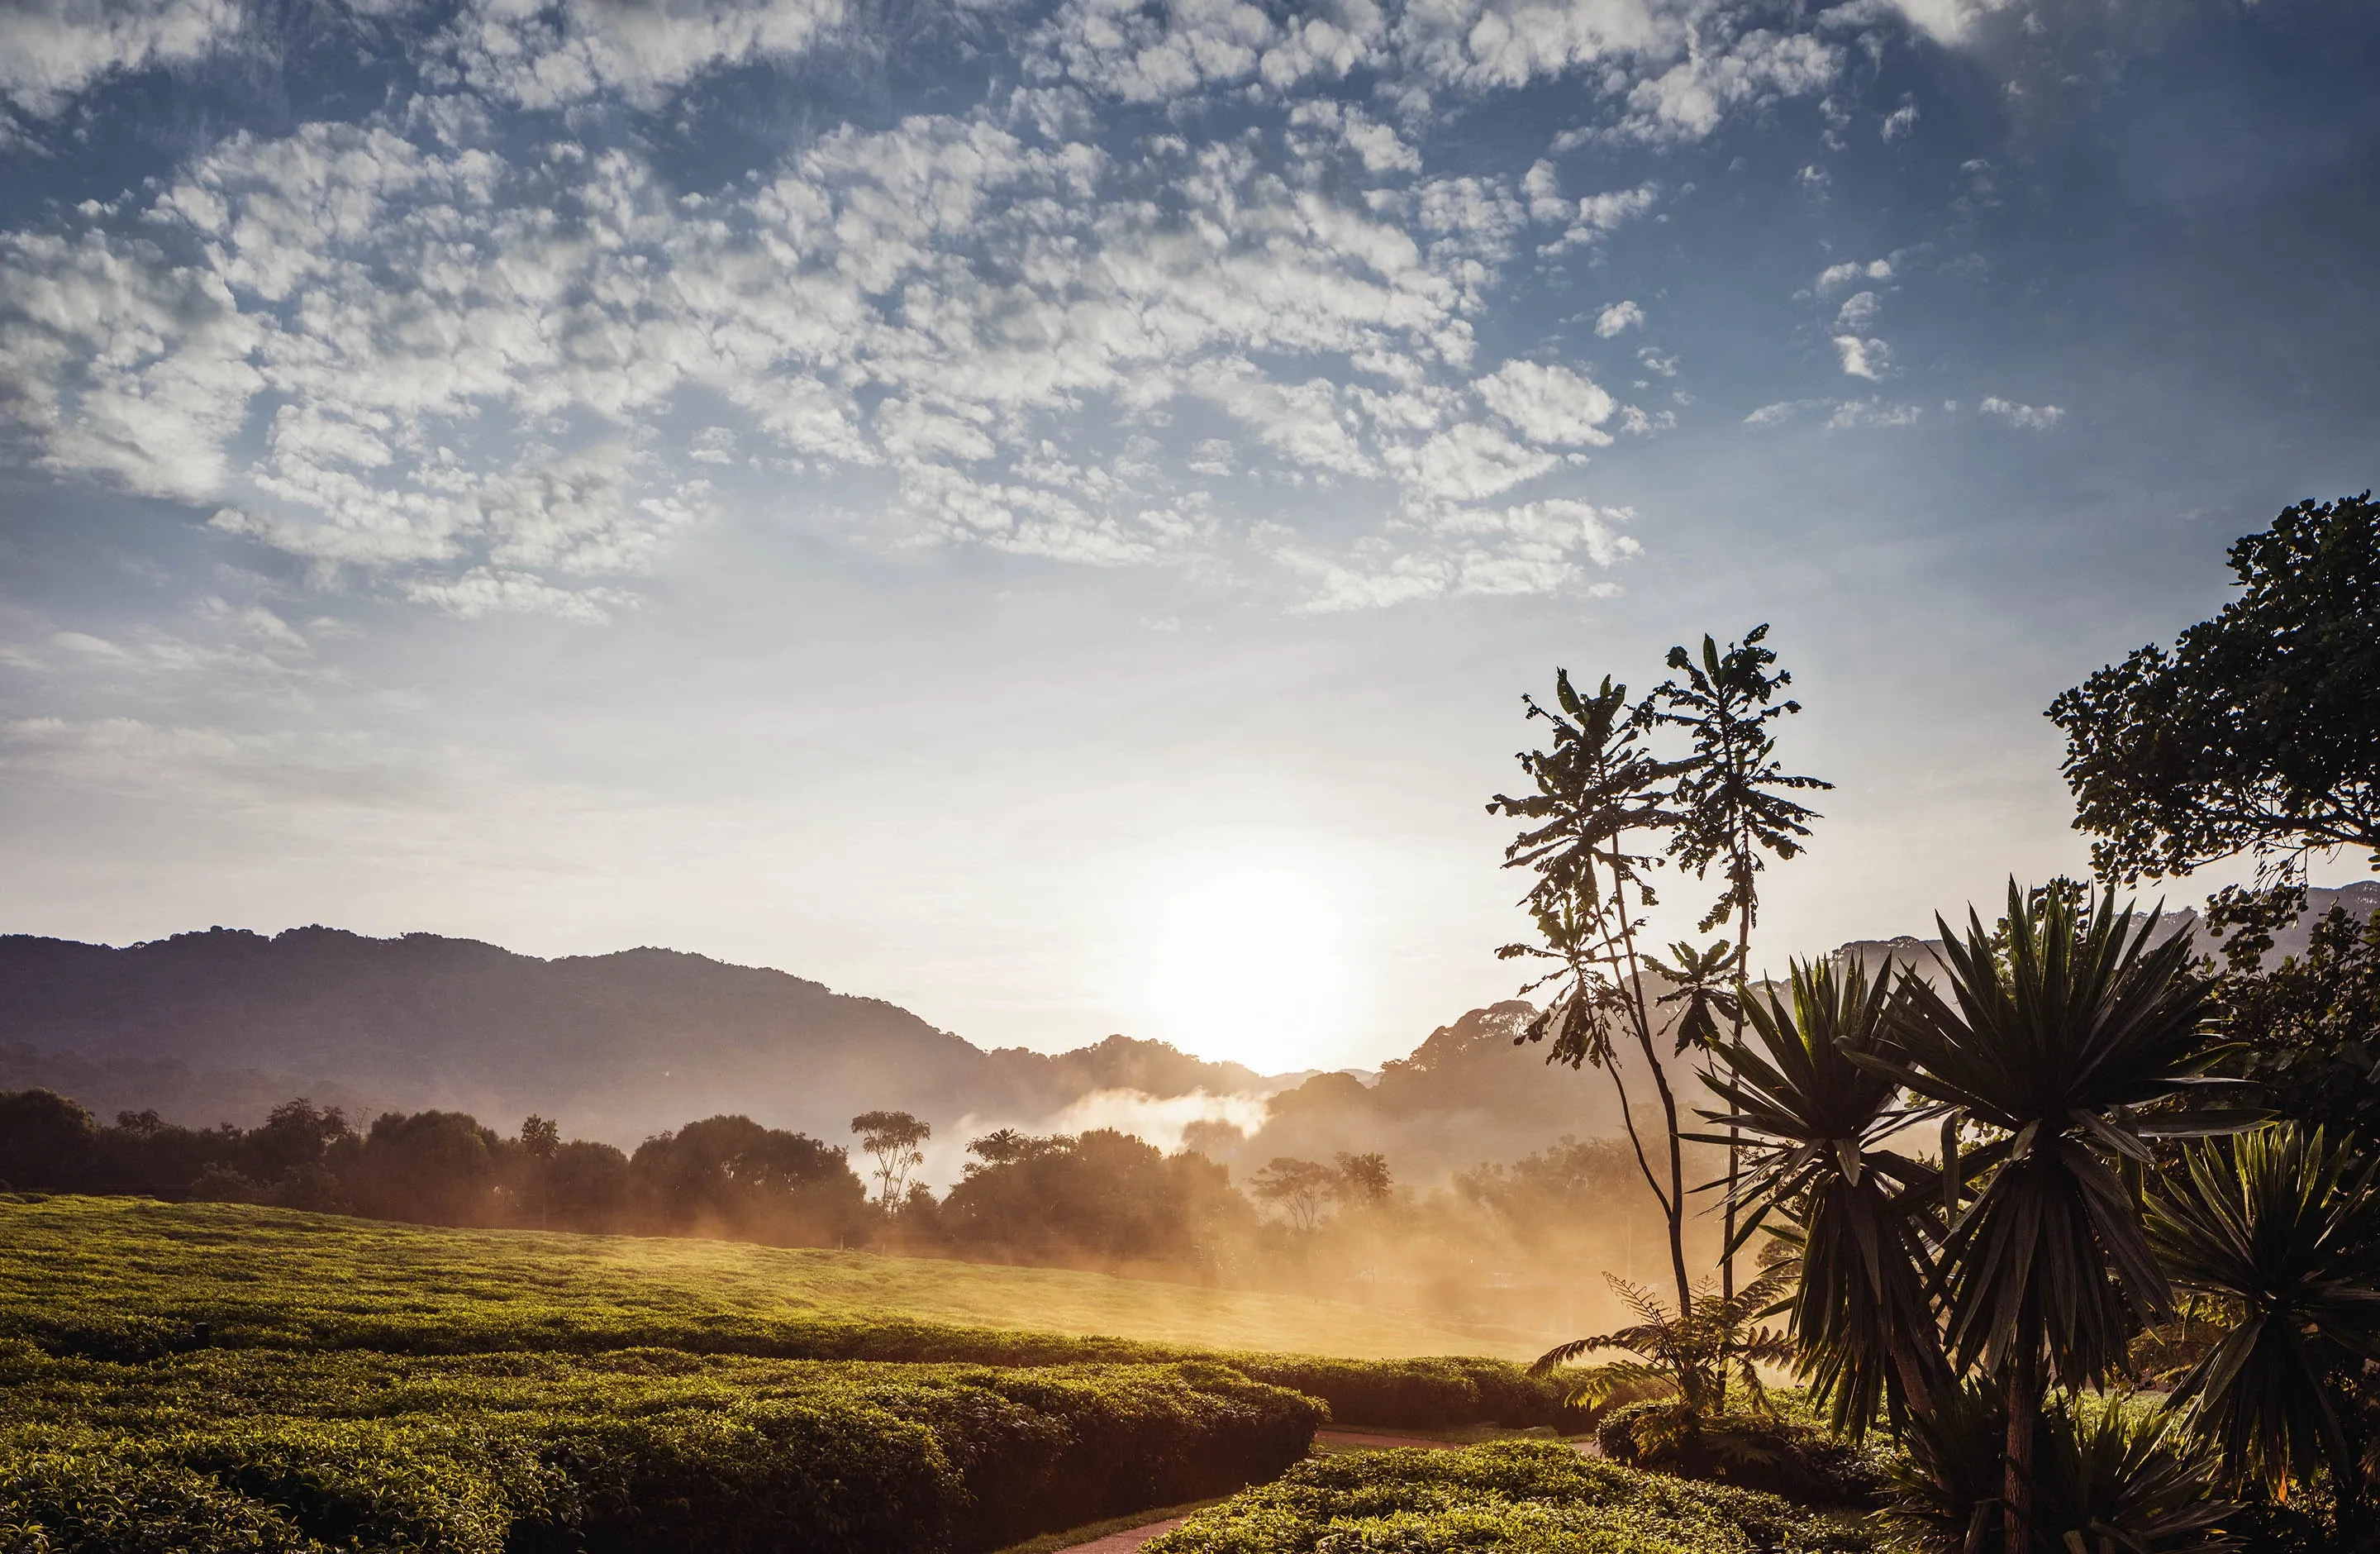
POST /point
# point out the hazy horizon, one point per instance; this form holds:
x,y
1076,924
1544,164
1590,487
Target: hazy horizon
x,y
1043,513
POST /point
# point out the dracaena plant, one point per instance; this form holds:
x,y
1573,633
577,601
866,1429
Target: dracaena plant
x,y
2281,1228
1862,1219
2049,1053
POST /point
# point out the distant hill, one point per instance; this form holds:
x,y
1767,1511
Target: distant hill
x,y
2362,899
220,1025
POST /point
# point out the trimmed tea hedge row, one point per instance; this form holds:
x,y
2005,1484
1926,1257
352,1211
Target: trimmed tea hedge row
x,y
115,1280
1412,1394
628,1453
1513,1497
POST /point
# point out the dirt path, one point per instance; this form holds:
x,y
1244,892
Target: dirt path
x,y
1364,1440
1129,1539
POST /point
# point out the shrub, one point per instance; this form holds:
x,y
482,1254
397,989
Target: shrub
x,y
1528,1497
1753,1451
630,1453
2107,1469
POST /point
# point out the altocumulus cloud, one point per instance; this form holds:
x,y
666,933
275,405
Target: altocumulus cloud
x,y
479,348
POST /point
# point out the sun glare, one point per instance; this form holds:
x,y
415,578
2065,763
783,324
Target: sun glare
x,y
1249,967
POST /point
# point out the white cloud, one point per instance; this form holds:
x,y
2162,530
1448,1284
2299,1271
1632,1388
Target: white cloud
x,y
1900,123
52,49
123,363
1864,358
1859,311
1838,276
1778,412
1858,414
551,55
1947,21
1545,404
1688,101
1617,318
467,375
1538,548
1467,463
1599,215
2032,418
490,591
1847,415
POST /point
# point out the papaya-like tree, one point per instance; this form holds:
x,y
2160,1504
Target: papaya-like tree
x,y
1593,827
1732,806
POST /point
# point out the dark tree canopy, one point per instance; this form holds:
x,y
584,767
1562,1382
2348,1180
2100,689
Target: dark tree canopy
x,y
2260,731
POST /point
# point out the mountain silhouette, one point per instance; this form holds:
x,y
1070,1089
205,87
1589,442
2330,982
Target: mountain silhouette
x,y
222,1024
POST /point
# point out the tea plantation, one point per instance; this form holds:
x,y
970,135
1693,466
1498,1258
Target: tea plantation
x,y
209,1377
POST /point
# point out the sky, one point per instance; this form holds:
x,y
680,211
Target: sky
x,y
1045,512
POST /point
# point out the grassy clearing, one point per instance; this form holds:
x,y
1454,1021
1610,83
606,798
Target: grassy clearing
x,y
122,1275
1518,1496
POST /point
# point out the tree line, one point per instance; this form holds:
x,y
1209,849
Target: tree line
x,y
1101,1199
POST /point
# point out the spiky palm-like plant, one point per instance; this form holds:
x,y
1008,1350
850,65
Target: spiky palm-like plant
x,y
2111,1475
2048,1268
2282,1227
1814,1122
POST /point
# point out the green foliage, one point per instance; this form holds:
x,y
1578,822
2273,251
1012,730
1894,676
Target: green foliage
x,y
634,1451
1770,1452
2282,1228
1730,797
2053,1052
1815,1120
2261,730
120,1279
2308,1029
1689,1355
1517,1497
2108,1474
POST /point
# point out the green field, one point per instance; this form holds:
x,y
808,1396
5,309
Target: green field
x,y
216,1380
137,1276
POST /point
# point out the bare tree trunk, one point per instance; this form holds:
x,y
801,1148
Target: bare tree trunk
x,y
2023,1413
1674,1209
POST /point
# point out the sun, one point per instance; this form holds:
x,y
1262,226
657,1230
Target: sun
x,y
1249,968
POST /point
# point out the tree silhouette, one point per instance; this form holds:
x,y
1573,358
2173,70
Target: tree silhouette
x,y
891,1138
540,1137
1598,789
2260,731
1363,1179
1299,1187
2050,1054
1732,807
1816,1121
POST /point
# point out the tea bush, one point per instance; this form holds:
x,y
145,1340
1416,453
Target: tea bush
x,y
628,1453
128,1281
1513,1497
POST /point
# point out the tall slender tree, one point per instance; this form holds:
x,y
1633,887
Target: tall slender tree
x,y
1595,828
1732,805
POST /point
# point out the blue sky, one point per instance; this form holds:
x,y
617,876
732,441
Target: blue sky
x,y
1044,512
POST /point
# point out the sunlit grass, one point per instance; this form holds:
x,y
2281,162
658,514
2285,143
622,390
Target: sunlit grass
x,y
118,1275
